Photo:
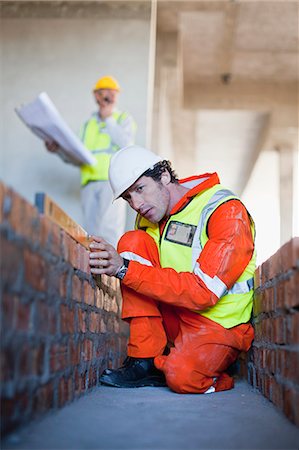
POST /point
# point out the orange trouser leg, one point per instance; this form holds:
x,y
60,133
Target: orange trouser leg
x,y
203,351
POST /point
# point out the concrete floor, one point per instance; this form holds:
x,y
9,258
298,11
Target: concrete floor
x,y
156,418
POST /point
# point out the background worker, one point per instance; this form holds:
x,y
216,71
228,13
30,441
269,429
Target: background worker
x,y
103,134
186,276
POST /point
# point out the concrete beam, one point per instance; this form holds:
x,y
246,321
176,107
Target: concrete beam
x,y
138,9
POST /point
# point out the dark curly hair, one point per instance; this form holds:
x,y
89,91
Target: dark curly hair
x,y
159,168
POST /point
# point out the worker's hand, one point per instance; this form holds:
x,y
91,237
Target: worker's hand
x,y
52,146
103,258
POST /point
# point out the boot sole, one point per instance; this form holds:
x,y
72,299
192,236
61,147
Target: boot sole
x,y
133,384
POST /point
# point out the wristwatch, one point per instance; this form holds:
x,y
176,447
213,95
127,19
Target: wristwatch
x,y
123,269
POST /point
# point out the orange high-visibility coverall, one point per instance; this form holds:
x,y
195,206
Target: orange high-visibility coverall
x,y
159,303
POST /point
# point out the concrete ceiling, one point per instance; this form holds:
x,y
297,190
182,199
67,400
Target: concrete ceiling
x,y
227,73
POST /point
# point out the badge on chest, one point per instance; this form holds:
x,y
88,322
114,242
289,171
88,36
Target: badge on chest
x,y
180,233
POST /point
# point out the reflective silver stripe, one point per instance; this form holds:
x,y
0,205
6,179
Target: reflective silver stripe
x,y
214,284
242,287
210,390
133,257
210,206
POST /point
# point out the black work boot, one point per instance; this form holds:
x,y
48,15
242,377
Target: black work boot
x,y
135,372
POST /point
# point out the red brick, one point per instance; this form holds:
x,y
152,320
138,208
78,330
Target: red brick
x,y
289,407
293,328
69,249
35,270
114,305
105,280
292,367
75,353
46,319
269,300
83,381
63,278
116,325
265,269
43,399
258,277
77,385
83,259
296,407
275,265
279,327
55,239
76,288
8,365
67,319
103,328
291,290
280,294
9,307
277,394
24,361
38,359
65,390
74,258
23,316
87,350
99,296
92,377
107,302
280,361
11,261
23,216
88,293
290,254
82,320
258,331
94,322
58,357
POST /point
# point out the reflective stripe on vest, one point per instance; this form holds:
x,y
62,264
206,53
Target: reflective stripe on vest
x,y
98,141
235,305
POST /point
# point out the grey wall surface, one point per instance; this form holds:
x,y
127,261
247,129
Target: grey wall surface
x,y
65,57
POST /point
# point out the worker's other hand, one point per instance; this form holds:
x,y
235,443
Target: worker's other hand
x,y
103,258
52,146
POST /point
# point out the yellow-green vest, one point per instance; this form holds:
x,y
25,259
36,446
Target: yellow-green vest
x,y
96,139
181,254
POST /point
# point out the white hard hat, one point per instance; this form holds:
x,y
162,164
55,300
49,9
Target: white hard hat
x,y
127,165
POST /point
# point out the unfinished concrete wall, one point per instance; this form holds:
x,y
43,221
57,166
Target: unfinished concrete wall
x,y
59,328
273,363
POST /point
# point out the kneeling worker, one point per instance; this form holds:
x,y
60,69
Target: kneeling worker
x,y
186,276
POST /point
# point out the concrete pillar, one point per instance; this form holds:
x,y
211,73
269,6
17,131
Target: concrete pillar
x,y
286,192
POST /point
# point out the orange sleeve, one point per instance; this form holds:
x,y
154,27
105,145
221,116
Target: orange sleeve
x,y
226,254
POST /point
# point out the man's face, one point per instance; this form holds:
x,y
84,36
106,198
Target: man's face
x,y
151,199
106,96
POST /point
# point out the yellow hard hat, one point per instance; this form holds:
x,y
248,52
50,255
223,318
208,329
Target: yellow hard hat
x,y
107,82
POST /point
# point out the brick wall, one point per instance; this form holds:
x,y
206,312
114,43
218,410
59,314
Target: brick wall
x,y
273,363
59,328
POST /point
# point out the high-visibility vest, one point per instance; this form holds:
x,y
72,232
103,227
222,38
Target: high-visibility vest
x,y
96,139
183,238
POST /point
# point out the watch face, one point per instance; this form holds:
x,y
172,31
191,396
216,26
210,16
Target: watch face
x,y
122,272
